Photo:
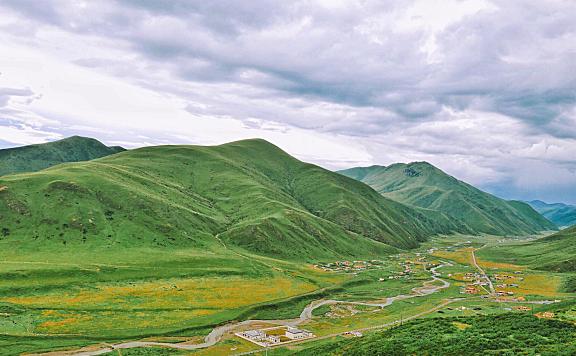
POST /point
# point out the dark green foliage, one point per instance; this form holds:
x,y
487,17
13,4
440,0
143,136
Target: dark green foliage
x,y
422,185
37,157
508,334
570,284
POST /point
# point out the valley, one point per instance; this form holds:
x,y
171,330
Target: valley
x,y
222,250
176,312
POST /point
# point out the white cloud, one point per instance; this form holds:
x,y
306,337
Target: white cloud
x,y
480,88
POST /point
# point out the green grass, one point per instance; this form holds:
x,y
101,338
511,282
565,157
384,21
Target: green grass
x,y
249,194
86,298
556,253
175,240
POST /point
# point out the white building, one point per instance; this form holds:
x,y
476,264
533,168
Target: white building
x,y
297,334
255,335
274,339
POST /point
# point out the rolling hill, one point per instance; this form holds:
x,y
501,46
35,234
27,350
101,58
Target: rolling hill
x,y
247,194
556,252
562,215
34,158
422,185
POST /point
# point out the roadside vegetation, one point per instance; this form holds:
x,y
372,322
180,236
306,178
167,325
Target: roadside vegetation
x,y
507,334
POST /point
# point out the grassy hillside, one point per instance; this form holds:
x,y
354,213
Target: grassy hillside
x,y
556,252
422,185
562,215
508,334
37,157
247,194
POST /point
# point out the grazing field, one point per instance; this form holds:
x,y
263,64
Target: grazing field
x,y
463,256
112,296
47,304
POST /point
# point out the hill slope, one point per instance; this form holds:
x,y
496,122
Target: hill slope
x,y
248,194
423,185
562,215
556,252
34,158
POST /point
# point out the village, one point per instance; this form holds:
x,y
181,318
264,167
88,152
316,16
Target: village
x,y
408,267
478,284
350,266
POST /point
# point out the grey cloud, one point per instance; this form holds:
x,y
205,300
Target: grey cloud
x,y
353,70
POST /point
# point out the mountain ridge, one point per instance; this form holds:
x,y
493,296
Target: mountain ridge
x,y
424,185
563,215
37,157
249,194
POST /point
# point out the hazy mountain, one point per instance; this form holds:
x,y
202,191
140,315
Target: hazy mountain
x,y
34,158
562,215
423,185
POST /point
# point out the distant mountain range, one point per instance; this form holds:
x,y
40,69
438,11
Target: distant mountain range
x,y
420,184
562,215
247,194
34,158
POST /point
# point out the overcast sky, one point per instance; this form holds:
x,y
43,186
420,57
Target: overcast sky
x,y
485,90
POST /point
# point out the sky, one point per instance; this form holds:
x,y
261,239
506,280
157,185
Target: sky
x,y
485,90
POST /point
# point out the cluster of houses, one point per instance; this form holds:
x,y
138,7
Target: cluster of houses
x,y
545,315
350,266
522,308
503,293
474,288
505,277
266,338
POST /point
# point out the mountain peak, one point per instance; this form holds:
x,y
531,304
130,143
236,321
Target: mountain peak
x,y
40,156
423,185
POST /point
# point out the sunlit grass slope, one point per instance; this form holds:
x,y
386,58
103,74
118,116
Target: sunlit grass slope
x,y
33,158
556,252
423,185
247,194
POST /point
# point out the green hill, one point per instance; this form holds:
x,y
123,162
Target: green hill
x,y
247,194
34,158
422,185
555,252
562,215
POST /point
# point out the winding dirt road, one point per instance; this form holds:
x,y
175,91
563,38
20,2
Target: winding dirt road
x,y
217,333
483,273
